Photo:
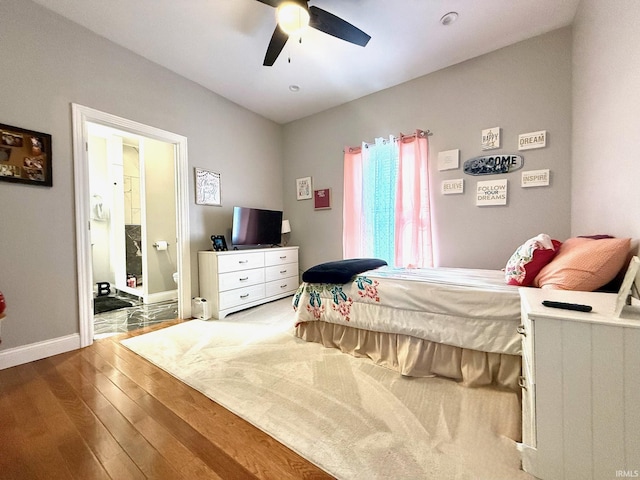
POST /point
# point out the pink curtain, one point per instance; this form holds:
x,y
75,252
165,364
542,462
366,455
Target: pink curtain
x,y
353,240
414,246
412,232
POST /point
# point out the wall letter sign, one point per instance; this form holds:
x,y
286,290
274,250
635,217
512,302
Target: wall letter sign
x,y
491,193
493,164
491,138
450,187
527,141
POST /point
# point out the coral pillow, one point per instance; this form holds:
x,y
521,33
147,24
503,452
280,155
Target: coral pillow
x,y
584,264
529,258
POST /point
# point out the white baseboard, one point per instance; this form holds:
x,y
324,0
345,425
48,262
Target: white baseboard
x,y
37,351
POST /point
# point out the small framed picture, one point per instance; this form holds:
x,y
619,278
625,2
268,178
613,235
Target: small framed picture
x,y
219,243
491,138
322,199
207,187
25,156
303,188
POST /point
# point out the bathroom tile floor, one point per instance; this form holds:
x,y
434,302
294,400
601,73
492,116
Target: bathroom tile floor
x,y
132,318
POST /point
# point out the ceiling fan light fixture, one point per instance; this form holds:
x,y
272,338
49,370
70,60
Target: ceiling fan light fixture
x,y
292,18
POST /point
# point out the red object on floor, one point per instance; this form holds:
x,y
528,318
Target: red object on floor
x,y
3,304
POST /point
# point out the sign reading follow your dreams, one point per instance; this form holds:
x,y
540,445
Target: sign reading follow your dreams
x,y
493,164
491,192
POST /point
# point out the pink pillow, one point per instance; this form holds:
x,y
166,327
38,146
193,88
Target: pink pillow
x,y
529,258
584,264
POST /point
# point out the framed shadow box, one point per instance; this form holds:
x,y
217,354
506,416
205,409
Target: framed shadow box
x,y
25,156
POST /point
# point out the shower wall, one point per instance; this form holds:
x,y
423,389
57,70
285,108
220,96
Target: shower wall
x,y
132,214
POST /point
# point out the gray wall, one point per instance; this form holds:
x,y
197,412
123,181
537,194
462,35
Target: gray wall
x,y
606,118
49,63
523,88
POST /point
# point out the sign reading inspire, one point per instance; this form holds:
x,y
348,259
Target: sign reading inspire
x,y
535,178
492,192
493,164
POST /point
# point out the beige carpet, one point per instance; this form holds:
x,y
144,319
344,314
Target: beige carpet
x,y
353,419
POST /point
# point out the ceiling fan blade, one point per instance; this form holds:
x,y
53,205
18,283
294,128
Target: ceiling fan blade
x,y
272,3
328,23
278,39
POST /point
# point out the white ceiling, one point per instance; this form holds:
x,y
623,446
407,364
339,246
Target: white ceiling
x,y
220,44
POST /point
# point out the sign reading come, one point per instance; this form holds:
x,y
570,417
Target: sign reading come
x,y
493,164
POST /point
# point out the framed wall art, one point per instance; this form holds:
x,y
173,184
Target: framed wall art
x,y
25,156
303,188
535,178
492,192
490,138
449,160
322,199
207,187
453,187
527,141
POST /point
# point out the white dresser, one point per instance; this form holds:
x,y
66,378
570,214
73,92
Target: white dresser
x,y
581,388
238,279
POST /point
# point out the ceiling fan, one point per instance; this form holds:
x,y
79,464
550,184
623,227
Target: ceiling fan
x,y
295,15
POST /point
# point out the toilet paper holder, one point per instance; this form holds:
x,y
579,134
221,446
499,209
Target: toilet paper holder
x,y
161,245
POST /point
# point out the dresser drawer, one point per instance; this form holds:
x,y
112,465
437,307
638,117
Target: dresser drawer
x,y
281,256
240,261
239,279
240,296
281,271
285,285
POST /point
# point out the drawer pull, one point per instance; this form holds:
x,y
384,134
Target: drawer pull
x,y
284,286
283,271
243,279
283,257
243,261
244,296
522,382
521,330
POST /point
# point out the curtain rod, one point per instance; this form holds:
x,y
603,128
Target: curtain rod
x,y
422,133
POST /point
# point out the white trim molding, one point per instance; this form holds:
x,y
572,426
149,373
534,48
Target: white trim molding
x,y
39,350
81,116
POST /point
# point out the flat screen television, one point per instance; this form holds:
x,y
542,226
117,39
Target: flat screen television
x,y
254,226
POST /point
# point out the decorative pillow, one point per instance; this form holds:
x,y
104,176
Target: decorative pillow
x,y
584,264
529,258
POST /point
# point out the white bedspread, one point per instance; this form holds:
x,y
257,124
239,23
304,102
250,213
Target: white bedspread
x,y
466,308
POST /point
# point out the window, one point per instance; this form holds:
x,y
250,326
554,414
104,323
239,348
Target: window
x,y
387,211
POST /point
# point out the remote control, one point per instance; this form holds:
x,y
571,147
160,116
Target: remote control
x,y
567,306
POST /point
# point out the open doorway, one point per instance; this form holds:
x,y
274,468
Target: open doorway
x,y
163,251
132,229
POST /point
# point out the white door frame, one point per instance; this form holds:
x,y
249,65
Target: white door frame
x,y
81,116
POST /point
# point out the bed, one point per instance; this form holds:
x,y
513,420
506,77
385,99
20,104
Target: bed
x,y
458,323
451,322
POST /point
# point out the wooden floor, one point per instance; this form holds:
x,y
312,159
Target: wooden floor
x,y
103,412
